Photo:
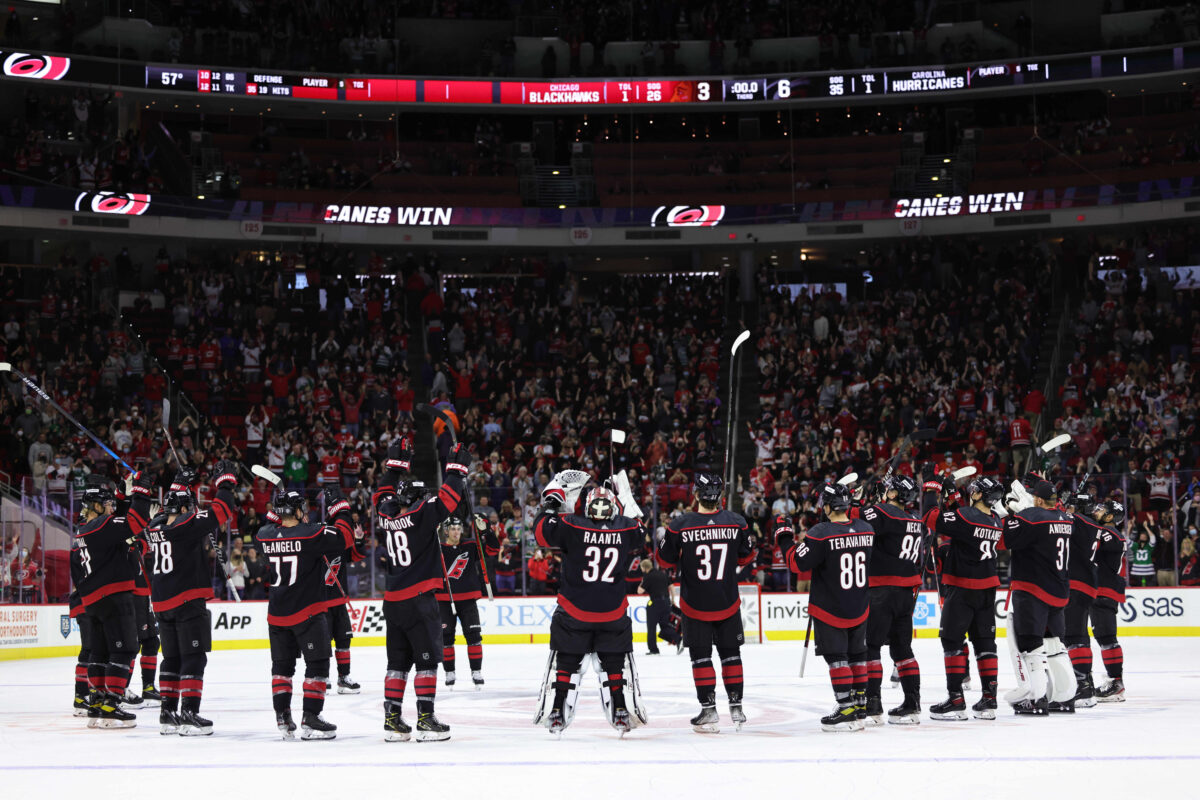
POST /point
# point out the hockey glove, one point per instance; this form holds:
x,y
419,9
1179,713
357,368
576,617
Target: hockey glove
x,y
399,455
629,506
928,472
335,502
184,480
1018,498
225,475
561,494
460,459
140,484
785,535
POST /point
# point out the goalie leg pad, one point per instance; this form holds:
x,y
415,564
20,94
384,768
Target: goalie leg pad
x,y
563,673
1061,681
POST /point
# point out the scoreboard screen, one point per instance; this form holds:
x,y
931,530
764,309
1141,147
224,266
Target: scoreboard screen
x,y
924,81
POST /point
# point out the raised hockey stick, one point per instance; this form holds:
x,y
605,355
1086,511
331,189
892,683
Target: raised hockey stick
x,y
919,435
212,539
6,367
1047,448
807,637
615,437
1094,461
277,482
437,413
847,479
725,476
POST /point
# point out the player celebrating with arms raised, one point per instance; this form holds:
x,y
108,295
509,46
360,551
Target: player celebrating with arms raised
x,y
704,545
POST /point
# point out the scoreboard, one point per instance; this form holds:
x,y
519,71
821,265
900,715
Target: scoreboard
x,y
1177,61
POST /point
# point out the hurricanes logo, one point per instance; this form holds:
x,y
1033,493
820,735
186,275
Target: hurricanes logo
x,y
26,65
687,216
133,204
458,567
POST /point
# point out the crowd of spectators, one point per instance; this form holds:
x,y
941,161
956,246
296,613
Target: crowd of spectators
x,y
290,365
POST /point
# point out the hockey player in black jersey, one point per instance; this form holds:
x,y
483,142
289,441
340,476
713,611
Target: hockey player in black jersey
x,y
461,557
298,553
146,624
592,608
838,552
969,580
104,577
82,688
1110,594
338,603
180,587
895,580
1086,535
408,523
708,546
1039,537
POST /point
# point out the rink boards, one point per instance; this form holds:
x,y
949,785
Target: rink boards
x,y
45,631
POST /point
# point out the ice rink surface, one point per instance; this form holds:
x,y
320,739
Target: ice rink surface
x,y
1150,741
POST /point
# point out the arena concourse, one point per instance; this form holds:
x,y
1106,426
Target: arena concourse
x,y
779,245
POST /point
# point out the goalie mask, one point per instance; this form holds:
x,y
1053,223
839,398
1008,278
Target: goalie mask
x,y
601,504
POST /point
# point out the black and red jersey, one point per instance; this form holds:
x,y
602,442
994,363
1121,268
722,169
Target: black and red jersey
x,y
100,554
413,550
1040,541
708,550
462,567
298,566
1111,565
176,560
1085,541
896,556
335,579
839,556
594,554
970,561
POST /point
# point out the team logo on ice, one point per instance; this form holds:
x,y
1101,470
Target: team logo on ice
x,y
64,625
687,216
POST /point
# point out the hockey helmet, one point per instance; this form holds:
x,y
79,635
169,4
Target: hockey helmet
x,y
834,497
178,501
905,488
288,503
600,503
708,487
991,489
1117,509
448,528
410,492
1084,503
97,493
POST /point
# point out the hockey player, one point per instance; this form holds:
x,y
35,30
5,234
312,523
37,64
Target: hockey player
x,y
704,545
895,580
298,553
466,580
408,523
338,602
838,552
100,560
592,608
1110,593
1039,537
1086,533
180,587
147,632
969,582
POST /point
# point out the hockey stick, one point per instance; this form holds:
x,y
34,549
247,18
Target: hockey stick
x,y
847,479
615,437
1047,448
6,367
437,413
212,539
920,435
807,637
725,475
1093,462
487,584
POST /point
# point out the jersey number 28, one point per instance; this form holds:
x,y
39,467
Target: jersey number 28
x,y
163,560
